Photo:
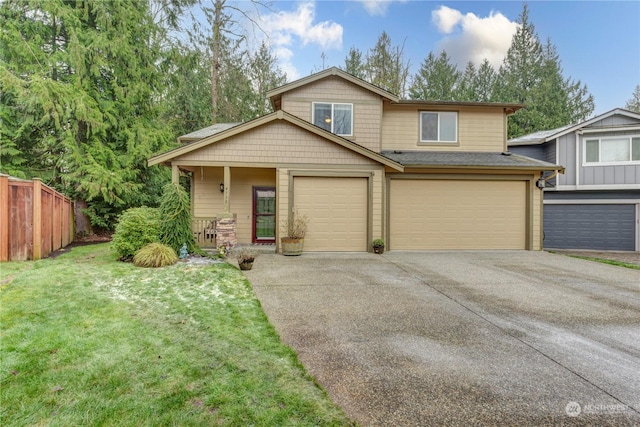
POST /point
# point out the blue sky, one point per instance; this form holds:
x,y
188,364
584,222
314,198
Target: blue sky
x,y
598,41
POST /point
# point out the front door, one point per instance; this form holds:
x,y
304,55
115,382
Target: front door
x,y
264,214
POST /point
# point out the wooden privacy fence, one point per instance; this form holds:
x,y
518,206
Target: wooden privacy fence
x,y
35,220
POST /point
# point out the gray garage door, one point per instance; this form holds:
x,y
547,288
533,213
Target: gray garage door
x,y
602,227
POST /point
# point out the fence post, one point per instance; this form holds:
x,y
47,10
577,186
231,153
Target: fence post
x,y
4,218
37,218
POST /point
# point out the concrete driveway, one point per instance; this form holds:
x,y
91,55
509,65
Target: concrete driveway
x,y
461,338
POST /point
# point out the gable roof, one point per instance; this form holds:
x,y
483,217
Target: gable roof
x,y
509,107
275,94
208,131
541,137
278,115
469,160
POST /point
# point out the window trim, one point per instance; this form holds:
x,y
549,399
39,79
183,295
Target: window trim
x,y
333,104
600,139
456,140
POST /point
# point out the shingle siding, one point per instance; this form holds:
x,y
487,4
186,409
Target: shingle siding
x,y
367,106
276,143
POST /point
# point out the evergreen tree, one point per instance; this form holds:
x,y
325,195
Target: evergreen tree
x,y
531,74
633,104
386,67
79,80
354,63
466,89
264,74
436,80
485,82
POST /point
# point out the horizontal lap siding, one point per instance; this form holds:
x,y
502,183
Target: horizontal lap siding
x,y
208,200
478,130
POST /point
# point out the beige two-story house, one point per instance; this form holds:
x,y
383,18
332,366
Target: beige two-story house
x,y
363,164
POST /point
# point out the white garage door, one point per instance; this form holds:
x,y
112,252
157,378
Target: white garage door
x,y
457,214
337,211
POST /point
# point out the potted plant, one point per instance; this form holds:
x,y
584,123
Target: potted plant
x,y
245,257
378,246
294,230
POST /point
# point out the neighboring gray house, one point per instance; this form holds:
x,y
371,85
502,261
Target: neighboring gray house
x,y
596,203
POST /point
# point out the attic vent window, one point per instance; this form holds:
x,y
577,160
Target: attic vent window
x,y
336,118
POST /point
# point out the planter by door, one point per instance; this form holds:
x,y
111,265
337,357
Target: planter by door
x,y
291,247
245,265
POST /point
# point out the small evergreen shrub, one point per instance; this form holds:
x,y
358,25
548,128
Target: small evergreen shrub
x,y
136,228
175,226
155,255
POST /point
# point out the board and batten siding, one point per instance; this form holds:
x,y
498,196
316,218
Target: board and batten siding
x,y
479,129
276,143
567,157
367,107
606,175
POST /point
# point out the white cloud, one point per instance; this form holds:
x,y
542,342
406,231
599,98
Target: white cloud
x,y
446,18
284,27
376,7
478,38
287,31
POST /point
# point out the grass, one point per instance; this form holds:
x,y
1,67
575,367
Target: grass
x,y
609,261
87,340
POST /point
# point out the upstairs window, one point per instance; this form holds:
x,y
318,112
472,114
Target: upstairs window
x,y
612,150
439,126
336,118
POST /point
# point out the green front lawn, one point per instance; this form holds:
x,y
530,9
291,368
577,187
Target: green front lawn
x,y
87,340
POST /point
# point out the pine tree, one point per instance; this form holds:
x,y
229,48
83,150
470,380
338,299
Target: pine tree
x,y
633,104
386,67
531,74
354,63
436,80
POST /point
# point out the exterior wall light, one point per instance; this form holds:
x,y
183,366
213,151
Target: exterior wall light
x,y
541,183
222,187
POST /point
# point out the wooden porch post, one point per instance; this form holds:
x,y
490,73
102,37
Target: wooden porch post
x,y
175,174
227,189
226,223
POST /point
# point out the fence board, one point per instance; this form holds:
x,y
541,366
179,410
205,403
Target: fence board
x,y
34,219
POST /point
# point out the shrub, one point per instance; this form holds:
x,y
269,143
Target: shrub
x,y
136,228
378,242
155,255
175,210
295,227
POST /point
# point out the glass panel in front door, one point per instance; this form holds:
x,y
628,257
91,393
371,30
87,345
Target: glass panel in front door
x,y
265,214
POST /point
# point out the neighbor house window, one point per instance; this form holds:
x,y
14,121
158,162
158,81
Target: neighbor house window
x,y
336,118
438,126
612,150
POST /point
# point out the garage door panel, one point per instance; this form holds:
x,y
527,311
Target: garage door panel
x,y
337,211
590,226
457,214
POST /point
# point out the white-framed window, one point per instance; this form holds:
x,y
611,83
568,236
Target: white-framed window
x,y
334,117
612,150
439,126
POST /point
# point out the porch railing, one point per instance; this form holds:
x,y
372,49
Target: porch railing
x,y
204,231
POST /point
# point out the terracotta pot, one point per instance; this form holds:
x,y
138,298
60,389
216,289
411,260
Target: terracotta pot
x,y
291,247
